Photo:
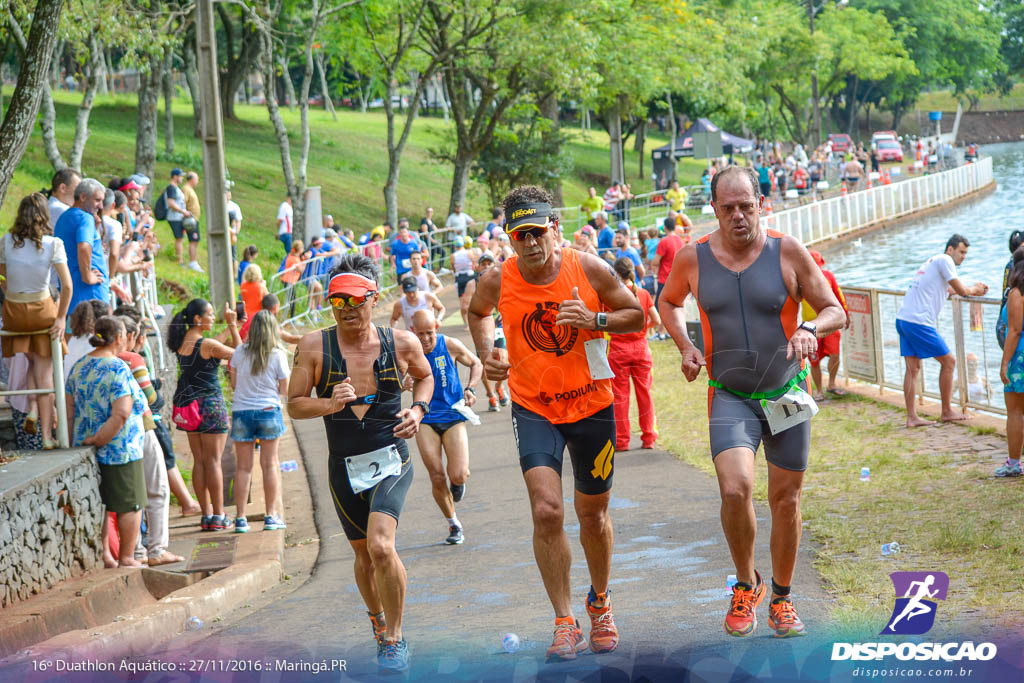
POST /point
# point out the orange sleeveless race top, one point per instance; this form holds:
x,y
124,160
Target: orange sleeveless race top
x,y
549,374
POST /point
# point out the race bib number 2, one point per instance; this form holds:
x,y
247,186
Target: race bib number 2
x,y
369,469
790,409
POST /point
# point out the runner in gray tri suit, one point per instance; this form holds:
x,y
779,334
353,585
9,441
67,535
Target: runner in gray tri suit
x,y
748,283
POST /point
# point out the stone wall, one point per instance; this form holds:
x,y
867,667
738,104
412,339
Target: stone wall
x,y
50,520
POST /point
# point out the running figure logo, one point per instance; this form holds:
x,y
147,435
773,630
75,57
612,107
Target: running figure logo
x,y
542,334
914,612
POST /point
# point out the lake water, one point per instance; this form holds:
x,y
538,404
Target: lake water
x,y
888,259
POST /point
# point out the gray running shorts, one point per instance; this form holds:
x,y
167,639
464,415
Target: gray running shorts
x,y
737,422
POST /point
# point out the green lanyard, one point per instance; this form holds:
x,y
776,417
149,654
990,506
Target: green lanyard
x,y
761,395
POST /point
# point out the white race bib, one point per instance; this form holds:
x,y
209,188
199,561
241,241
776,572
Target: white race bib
x,y
790,409
406,264
369,469
597,358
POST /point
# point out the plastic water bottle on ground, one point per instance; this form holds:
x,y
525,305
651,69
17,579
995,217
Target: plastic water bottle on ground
x,y
193,624
865,474
289,466
510,643
890,549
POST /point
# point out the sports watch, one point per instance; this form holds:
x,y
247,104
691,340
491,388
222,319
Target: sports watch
x,y
602,321
810,327
422,404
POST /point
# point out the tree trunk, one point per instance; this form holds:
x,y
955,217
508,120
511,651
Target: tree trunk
x,y
192,78
638,145
274,111
47,125
549,110
108,70
615,143
146,124
92,80
328,104
460,178
103,88
167,85
58,50
289,86
32,75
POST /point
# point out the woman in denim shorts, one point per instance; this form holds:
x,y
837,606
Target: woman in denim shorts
x,y
259,376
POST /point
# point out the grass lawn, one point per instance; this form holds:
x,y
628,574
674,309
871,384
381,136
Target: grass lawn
x,y
943,100
931,490
348,160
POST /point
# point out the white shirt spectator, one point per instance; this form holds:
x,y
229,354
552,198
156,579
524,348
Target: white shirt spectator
x,y
928,291
112,233
175,194
233,208
257,392
458,222
284,214
28,268
77,348
57,207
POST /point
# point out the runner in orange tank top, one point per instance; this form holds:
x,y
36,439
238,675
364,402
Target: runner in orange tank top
x,y
551,302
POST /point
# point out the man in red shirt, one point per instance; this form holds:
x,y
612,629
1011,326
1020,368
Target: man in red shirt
x,y
662,262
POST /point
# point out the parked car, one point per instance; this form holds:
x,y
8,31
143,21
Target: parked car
x,y
880,135
841,142
889,150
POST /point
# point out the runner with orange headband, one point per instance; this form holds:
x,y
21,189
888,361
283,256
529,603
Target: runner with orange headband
x,y
556,304
356,368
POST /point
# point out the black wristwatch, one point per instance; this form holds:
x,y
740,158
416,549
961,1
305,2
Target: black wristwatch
x,y
423,405
471,390
810,327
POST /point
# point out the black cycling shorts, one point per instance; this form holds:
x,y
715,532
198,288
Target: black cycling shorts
x,y
591,443
462,280
441,427
354,509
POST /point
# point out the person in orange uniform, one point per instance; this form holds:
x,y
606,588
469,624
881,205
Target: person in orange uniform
x,y
552,303
630,357
828,345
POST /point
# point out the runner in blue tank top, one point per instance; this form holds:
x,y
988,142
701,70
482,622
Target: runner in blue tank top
x,y
748,282
447,425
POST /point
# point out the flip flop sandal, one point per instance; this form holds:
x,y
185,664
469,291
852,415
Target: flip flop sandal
x,y
837,392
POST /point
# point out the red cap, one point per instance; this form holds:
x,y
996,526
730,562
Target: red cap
x,y
131,185
818,258
351,284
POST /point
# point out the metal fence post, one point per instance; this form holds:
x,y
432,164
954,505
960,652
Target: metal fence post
x,y
961,356
59,402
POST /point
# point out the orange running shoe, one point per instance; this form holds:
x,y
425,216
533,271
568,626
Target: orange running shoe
x,y
568,642
741,619
379,627
604,637
783,619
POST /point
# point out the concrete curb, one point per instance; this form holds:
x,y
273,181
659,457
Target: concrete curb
x,y
148,627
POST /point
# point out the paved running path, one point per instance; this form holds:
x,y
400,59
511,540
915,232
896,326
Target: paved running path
x,y
669,573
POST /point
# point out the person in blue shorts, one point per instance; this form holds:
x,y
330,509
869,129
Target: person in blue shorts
x,y
916,323
447,424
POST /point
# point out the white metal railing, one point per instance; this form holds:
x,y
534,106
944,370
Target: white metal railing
x,y
870,347
145,294
300,300
59,404
830,218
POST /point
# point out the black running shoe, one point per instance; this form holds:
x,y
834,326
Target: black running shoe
x,y
454,536
458,491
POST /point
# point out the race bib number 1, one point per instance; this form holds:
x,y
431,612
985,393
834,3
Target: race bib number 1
x,y
369,469
790,409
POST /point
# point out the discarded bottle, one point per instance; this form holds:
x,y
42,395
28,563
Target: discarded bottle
x,y
890,548
289,466
510,642
193,624
865,474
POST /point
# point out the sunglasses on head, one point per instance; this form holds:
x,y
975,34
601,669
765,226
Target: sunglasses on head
x,y
340,301
520,235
